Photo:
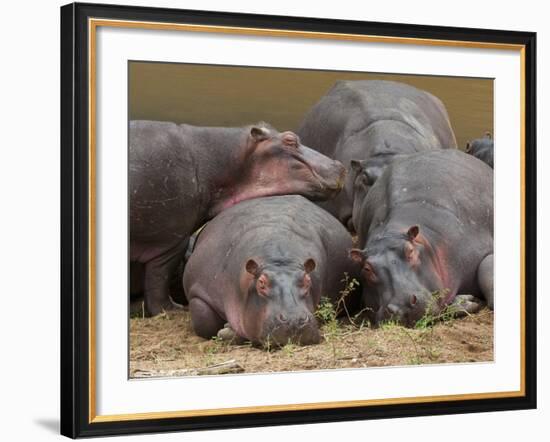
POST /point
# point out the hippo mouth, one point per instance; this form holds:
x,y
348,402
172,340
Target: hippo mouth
x,y
279,336
328,189
407,317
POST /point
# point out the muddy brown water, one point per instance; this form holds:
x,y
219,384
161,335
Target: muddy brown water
x,y
206,95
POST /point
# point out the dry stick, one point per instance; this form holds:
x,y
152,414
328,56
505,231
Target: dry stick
x,y
228,367
414,343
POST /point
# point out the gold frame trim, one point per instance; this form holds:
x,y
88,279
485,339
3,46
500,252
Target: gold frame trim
x,y
93,24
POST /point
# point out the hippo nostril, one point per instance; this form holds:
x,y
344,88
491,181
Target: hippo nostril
x,y
392,310
304,319
282,318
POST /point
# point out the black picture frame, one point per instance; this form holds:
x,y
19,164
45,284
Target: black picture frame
x,y
75,219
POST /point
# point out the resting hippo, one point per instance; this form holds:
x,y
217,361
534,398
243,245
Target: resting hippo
x,y
262,266
373,120
180,176
482,148
426,225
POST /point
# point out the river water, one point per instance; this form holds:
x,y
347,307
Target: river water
x,y
207,95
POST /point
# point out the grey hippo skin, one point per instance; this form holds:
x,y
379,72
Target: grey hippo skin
x,y
180,176
368,122
426,225
262,267
482,148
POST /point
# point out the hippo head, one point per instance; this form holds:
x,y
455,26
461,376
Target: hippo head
x,y
279,303
279,164
480,143
400,273
361,177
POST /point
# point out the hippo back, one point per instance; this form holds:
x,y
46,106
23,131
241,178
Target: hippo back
x,y
275,239
373,120
352,106
274,228
448,190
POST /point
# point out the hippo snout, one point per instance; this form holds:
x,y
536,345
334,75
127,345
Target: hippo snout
x,y
341,171
333,179
404,315
297,329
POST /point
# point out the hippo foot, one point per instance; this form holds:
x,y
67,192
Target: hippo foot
x,y
227,334
163,307
464,305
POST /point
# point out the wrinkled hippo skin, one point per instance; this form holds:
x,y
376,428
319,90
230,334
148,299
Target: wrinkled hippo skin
x,y
482,148
426,225
137,273
180,176
263,265
369,121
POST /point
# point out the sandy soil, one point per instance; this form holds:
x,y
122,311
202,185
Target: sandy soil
x,y
165,343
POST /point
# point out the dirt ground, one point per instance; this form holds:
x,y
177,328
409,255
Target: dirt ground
x,y
166,346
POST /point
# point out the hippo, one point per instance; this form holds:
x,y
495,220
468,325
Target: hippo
x,y
425,230
180,176
364,123
260,268
482,148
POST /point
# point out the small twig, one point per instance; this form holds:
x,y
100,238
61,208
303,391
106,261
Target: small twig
x,y
228,367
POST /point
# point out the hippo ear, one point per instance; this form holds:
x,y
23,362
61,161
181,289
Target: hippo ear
x,y
309,265
259,133
356,166
290,139
252,267
357,255
372,173
412,233
468,147
488,135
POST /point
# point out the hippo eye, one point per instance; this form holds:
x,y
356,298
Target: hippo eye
x,y
306,284
297,165
370,273
290,140
261,285
409,251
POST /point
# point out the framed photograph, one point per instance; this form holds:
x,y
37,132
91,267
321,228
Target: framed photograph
x,y
274,220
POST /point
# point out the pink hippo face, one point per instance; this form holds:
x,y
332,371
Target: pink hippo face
x,y
400,273
278,303
274,163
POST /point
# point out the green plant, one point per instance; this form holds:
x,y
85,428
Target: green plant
x,y
326,311
327,314
289,349
390,324
436,311
216,345
350,285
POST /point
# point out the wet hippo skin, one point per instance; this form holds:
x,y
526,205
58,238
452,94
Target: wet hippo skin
x,y
363,124
426,225
482,148
263,265
180,176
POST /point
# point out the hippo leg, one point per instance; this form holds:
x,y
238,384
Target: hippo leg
x,y
485,280
464,305
158,273
205,321
227,334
